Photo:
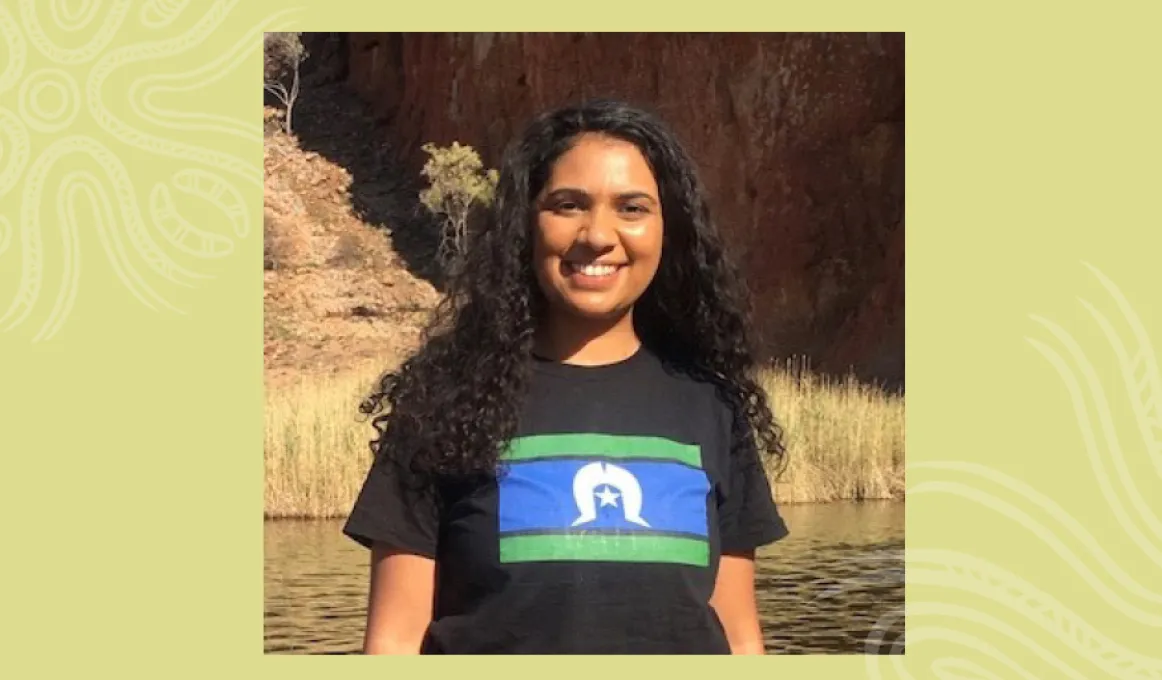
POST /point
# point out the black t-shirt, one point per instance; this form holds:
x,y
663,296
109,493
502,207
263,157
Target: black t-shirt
x,y
603,530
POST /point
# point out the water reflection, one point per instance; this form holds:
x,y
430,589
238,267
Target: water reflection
x,y
836,585
831,587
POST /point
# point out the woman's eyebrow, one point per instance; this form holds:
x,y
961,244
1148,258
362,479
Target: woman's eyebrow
x,y
566,191
629,195
576,192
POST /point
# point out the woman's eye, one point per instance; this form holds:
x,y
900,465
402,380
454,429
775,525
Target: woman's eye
x,y
635,210
567,206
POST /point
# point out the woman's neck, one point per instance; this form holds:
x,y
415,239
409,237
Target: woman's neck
x,y
586,342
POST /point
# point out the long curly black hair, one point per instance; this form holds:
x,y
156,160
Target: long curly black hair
x,y
452,407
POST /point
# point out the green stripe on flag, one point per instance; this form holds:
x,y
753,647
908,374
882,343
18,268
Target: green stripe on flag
x,y
610,446
607,547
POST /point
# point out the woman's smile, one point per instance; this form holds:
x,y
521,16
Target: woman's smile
x,y
591,276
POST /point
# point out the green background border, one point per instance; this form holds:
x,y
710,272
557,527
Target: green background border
x,y
132,388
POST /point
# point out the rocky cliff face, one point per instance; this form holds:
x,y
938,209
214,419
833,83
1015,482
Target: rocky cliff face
x,y
800,140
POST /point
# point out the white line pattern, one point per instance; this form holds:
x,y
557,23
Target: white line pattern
x,y
80,106
970,617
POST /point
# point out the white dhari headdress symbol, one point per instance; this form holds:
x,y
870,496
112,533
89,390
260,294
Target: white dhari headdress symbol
x,y
586,481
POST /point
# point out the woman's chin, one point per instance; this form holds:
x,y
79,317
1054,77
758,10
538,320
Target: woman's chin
x,y
593,310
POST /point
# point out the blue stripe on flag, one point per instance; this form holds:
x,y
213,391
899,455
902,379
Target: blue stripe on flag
x,y
540,496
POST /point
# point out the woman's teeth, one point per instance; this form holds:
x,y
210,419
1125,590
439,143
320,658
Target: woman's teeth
x,y
595,269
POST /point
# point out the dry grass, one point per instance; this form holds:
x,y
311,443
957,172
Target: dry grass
x,y
316,445
845,441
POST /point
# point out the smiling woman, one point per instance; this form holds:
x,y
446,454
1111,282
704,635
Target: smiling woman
x,y
574,461
597,242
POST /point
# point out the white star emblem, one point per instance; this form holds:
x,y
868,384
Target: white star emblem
x,y
608,497
607,477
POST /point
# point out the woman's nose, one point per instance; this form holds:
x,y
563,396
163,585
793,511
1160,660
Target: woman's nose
x,y
599,231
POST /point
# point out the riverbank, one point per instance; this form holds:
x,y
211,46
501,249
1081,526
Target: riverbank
x,y
845,441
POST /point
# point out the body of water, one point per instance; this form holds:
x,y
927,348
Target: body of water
x,y
834,586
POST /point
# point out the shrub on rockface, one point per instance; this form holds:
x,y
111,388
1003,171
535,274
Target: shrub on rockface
x,y
283,54
457,184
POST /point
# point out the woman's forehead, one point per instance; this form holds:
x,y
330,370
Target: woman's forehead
x,y
599,163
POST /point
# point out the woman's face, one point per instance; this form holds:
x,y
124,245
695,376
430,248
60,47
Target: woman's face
x,y
598,234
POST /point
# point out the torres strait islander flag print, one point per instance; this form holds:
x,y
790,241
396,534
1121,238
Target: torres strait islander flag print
x,y
597,497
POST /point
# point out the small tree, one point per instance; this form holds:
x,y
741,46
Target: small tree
x,y
457,182
283,54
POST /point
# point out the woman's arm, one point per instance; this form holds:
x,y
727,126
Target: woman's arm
x,y
734,602
399,607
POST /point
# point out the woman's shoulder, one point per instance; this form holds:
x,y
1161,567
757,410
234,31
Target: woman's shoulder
x,y
699,387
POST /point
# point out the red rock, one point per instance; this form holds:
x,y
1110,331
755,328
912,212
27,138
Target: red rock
x,y
800,139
